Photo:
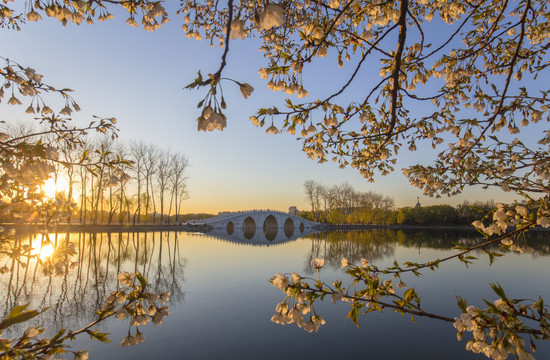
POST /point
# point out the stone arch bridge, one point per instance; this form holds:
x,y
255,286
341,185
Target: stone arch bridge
x,y
259,224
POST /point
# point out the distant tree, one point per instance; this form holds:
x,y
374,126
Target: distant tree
x,y
178,180
343,204
311,195
138,151
150,168
469,213
162,178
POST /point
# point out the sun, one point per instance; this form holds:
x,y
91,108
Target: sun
x,y
51,187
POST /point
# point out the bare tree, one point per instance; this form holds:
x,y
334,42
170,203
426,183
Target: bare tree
x,y
121,178
138,150
106,178
71,156
163,177
150,166
178,166
309,188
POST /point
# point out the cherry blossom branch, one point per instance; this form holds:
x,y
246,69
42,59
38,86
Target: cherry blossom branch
x,y
402,22
218,73
384,304
512,63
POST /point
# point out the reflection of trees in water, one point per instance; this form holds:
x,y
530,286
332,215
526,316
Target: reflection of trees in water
x,y
438,239
353,245
378,244
539,241
74,297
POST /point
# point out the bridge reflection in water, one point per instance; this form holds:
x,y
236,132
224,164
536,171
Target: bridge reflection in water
x,y
258,227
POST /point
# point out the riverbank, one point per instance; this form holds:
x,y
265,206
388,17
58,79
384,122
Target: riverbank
x,y
394,227
98,228
450,227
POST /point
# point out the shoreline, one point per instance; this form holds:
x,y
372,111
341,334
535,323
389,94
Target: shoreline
x,y
97,228
395,227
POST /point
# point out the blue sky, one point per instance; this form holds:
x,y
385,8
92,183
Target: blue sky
x,y
138,77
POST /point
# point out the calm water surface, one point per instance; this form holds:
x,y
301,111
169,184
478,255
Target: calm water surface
x,y
222,301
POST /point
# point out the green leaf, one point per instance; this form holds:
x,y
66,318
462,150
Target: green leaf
x,y
17,315
409,295
96,335
17,310
353,316
198,82
142,280
461,303
57,336
498,290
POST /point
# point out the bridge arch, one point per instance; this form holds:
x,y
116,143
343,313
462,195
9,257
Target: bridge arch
x,y
249,227
230,228
270,222
249,222
289,227
270,227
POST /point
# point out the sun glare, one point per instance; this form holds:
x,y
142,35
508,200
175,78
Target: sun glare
x,y
51,188
44,251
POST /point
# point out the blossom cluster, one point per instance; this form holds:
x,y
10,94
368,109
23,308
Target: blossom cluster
x,y
504,217
295,313
301,295
135,303
520,217
494,336
27,82
211,120
76,11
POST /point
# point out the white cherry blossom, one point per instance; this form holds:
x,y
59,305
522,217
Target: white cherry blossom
x,y
272,16
317,263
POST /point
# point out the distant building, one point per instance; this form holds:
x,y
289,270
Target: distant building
x,y
293,210
417,202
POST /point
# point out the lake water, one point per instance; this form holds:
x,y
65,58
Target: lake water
x,y
222,302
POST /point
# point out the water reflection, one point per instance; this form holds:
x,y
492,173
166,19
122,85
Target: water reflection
x,y
380,244
437,239
238,320
75,295
250,235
